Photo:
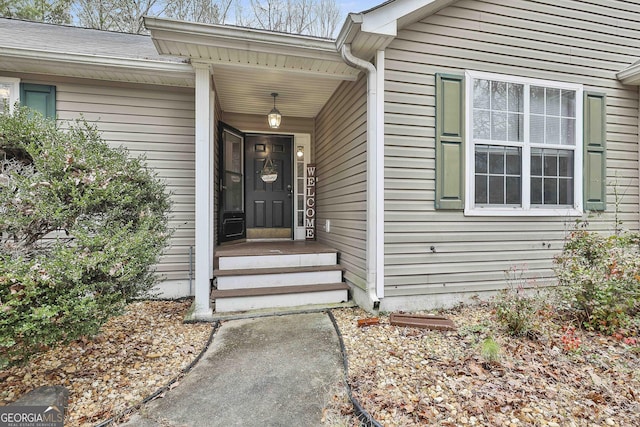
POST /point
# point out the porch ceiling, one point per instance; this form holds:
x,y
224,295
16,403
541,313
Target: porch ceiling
x,y
248,65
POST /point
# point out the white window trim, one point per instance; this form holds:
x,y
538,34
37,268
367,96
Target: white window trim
x,y
14,96
525,210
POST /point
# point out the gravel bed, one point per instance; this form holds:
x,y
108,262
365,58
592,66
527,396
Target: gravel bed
x,y
402,376
416,377
133,356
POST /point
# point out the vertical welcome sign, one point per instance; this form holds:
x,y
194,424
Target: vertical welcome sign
x,y
310,203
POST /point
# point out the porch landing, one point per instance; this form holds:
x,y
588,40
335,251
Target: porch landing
x,y
252,277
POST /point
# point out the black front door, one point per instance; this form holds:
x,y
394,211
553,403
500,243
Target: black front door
x,y
269,204
232,214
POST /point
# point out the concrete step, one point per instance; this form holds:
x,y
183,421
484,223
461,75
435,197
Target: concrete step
x,y
268,277
231,300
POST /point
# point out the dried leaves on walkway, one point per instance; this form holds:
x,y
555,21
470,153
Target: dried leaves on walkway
x,y
133,356
479,375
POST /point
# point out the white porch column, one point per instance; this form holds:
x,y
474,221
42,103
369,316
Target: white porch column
x,y
204,191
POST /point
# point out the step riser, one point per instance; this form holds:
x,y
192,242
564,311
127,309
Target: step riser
x,y
225,305
275,261
285,279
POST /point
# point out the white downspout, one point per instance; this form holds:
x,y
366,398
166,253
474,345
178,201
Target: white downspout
x,y
375,280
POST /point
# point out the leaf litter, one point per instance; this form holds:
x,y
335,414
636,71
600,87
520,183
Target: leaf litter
x,y
132,357
407,376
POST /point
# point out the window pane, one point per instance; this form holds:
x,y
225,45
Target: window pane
x,y
536,191
516,98
568,103
513,190
481,190
516,127
233,192
550,163
233,152
552,134
537,100
553,102
481,159
536,162
499,96
481,94
300,171
496,190
551,177
550,191
502,183
513,161
568,132
565,164
301,202
496,161
5,95
565,191
536,129
300,219
481,124
498,126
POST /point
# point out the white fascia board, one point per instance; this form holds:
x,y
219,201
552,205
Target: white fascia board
x,y
350,28
630,75
241,38
145,65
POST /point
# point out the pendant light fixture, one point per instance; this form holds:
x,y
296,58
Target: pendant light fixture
x,y
274,116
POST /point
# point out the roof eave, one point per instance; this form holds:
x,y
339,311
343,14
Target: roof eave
x,y
240,38
363,43
376,28
113,68
103,61
630,75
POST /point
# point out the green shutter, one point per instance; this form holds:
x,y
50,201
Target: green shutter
x,y
595,151
41,98
450,116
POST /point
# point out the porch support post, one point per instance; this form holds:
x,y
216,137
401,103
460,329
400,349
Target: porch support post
x,y
204,191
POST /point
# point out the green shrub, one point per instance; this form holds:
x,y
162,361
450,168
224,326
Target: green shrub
x,y
599,277
516,305
81,226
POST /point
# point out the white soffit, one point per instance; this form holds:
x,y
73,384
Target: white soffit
x,y
249,64
246,90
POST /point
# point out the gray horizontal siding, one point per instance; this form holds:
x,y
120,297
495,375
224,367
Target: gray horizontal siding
x,y
340,156
157,122
570,41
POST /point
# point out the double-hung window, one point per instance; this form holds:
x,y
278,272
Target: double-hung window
x,y
524,146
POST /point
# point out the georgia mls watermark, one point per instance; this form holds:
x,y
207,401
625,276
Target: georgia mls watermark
x,y
31,416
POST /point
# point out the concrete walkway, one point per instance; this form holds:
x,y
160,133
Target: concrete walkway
x,y
270,371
